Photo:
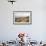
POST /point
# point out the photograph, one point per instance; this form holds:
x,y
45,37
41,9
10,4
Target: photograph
x,y
22,17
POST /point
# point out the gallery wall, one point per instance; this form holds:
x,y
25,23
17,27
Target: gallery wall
x,y
9,31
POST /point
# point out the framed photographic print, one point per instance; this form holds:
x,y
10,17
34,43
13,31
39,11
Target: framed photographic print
x,y
22,17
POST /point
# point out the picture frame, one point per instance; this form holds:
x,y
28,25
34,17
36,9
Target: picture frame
x,y
22,17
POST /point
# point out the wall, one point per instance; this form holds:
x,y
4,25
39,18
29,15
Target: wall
x,y
9,31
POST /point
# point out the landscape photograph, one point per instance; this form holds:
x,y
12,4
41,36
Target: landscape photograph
x,y
22,18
